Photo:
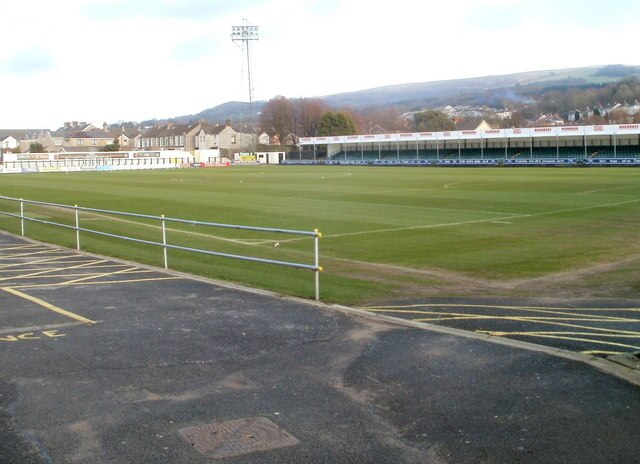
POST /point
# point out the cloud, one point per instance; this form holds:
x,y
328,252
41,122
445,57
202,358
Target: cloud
x,y
30,61
510,14
195,49
193,10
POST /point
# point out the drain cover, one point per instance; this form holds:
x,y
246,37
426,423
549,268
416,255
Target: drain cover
x,y
237,437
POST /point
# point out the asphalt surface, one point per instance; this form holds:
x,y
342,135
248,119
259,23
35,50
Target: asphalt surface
x,y
109,362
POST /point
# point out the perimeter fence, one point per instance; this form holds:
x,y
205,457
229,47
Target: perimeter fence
x,y
22,214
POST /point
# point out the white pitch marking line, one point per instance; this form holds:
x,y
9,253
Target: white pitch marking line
x,y
606,189
428,226
477,221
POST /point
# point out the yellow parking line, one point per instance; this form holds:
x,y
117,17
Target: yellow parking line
x,y
541,334
110,282
97,276
595,342
48,271
22,247
515,308
48,306
105,266
39,328
451,315
547,322
40,261
68,276
22,255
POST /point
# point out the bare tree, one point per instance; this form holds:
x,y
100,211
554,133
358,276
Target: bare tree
x,y
308,114
386,118
279,116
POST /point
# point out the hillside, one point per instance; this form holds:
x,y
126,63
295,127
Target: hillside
x,y
496,91
489,90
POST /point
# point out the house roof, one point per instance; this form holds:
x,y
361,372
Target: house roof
x,y
130,132
213,129
470,124
86,134
73,128
21,134
169,130
78,149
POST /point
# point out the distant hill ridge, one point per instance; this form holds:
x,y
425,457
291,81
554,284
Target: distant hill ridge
x,y
487,90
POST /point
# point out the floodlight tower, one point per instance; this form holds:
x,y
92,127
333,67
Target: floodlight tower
x,y
243,35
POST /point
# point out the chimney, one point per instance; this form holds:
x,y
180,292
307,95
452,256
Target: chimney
x,y
67,125
105,126
227,122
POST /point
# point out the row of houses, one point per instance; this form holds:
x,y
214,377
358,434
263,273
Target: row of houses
x,y
79,136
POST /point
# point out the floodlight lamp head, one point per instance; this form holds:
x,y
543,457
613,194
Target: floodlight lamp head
x,y
244,32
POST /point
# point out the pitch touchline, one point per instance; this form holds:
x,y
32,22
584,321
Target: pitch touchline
x,y
477,221
455,210
428,226
605,189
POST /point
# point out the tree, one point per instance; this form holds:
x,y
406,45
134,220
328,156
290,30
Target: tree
x,y
617,116
517,119
432,121
336,123
115,146
387,118
37,148
278,115
308,113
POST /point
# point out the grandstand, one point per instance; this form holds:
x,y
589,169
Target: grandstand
x,y
606,144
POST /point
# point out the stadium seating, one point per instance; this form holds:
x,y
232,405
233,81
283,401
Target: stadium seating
x,y
519,153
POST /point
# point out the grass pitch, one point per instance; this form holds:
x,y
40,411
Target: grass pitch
x,y
387,232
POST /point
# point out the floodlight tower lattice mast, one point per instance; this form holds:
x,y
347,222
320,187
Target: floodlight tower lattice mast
x,y
244,35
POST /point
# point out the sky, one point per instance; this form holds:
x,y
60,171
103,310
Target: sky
x,y
133,60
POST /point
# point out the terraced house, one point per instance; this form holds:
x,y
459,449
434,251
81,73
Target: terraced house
x,y
78,136
225,137
21,139
128,137
169,137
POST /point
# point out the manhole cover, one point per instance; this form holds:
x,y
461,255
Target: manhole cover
x,y
237,437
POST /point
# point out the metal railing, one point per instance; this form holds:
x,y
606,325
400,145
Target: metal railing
x,y
162,220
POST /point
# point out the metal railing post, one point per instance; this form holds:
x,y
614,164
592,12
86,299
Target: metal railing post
x,y
318,269
164,243
22,216
77,227
315,267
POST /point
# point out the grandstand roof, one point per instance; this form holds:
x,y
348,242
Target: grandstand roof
x,y
514,133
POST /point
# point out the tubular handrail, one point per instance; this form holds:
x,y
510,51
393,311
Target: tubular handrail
x,y
315,267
